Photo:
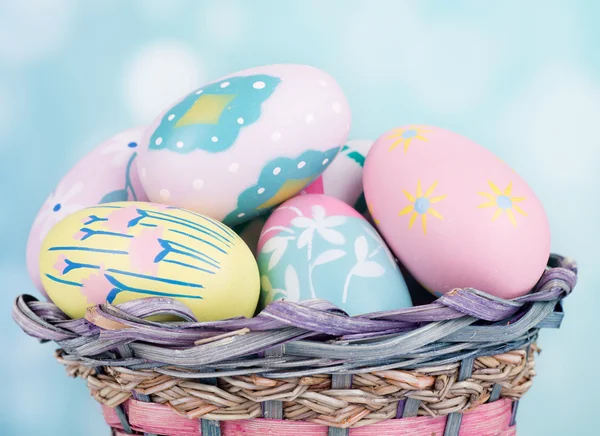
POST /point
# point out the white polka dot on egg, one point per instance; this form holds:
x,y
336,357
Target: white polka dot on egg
x,y
199,92
240,215
301,164
214,139
261,190
258,85
240,120
198,184
276,171
224,84
179,144
158,141
234,167
325,161
164,194
171,117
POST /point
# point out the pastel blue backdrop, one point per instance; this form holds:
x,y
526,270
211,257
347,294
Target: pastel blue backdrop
x,y
520,78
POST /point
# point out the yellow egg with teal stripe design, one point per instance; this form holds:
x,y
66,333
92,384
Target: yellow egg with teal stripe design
x,y
118,252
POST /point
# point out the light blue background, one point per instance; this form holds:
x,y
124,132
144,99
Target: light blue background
x,y
521,78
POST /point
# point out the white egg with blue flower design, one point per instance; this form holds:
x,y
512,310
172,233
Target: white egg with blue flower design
x,y
316,246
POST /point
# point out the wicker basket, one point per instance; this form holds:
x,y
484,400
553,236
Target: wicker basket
x,y
456,366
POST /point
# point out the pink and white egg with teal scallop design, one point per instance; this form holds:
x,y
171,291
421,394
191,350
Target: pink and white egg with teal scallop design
x,y
106,174
241,145
316,246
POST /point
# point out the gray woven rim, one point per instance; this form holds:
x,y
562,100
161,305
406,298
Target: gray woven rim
x,y
299,339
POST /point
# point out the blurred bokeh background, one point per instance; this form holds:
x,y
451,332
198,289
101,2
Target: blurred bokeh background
x,y
520,78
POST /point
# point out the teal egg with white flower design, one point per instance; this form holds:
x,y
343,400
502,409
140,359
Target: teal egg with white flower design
x,y
316,246
237,147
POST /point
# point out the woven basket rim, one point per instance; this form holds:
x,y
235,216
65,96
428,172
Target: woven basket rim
x,y
465,349
316,335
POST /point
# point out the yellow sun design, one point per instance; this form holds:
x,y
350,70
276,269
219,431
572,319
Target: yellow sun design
x,y
375,220
503,202
421,205
406,135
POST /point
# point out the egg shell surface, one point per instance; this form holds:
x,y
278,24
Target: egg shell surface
x,y
243,144
127,250
315,246
343,178
454,214
106,174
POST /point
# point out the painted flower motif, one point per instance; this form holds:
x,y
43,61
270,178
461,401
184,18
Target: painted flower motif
x,y
405,136
61,264
321,224
96,287
277,245
120,149
322,259
144,249
363,267
57,206
291,291
381,245
121,219
503,202
420,204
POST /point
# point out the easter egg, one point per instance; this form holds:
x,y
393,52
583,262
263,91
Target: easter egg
x,y
106,174
122,251
315,246
241,145
454,214
343,178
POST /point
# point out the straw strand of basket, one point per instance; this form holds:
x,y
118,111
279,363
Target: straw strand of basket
x,y
125,351
455,419
209,427
372,398
342,381
273,409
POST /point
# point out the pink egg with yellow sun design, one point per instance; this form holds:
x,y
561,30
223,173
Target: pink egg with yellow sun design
x,y
455,214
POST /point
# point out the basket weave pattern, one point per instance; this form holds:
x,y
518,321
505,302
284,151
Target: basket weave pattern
x,y
432,360
373,397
